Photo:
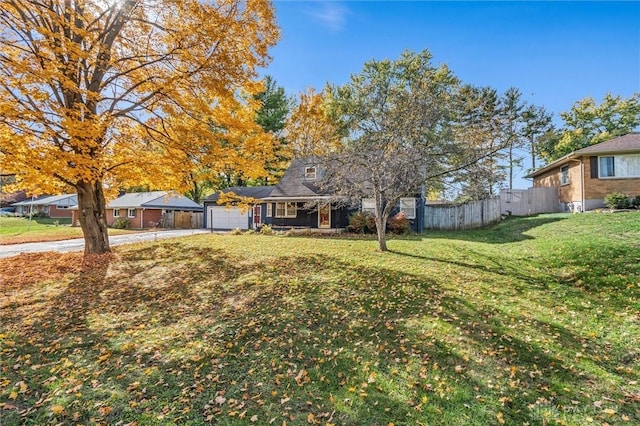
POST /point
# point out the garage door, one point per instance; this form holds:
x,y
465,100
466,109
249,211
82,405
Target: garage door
x,y
218,217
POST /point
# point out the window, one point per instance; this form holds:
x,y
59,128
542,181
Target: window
x,y
607,168
620,166
564,175
61,207
286,210
309,172
269,209
369,206
116,212
408,206
131,213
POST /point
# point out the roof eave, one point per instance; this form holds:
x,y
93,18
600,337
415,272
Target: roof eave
x,y
551,165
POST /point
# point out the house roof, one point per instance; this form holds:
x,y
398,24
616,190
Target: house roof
x,y
49,200
628,143
244,191
154,199
294,184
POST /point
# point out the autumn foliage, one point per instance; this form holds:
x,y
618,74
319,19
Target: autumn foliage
x,y
96,95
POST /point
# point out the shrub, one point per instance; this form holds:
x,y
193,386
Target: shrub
x,y
121,223
636,202
266,230
236,231
617,200
362,223
399,224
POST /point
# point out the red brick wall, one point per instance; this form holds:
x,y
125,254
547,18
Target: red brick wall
x,y
56,212
150,217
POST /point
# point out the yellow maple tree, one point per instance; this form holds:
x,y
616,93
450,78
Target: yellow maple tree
x,y
100,94
312,129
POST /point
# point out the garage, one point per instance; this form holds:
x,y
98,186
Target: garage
x,y
219,217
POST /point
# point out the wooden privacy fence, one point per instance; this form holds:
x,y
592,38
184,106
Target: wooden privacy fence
x,y
527,202
462,216
182,220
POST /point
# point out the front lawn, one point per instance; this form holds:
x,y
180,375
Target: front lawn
x,y
16,230
534,321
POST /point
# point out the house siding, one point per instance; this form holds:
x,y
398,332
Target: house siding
x,y
306,218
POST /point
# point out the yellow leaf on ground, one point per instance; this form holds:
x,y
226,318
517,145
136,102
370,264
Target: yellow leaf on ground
x,y
57,409
500,418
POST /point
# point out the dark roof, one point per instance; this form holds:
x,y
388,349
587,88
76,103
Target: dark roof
x,y
294,184
626,143
258,192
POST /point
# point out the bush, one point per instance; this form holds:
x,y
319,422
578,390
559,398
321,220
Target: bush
x,y
121,223
636,202
617,200
266,230
399,224
362,223
236,231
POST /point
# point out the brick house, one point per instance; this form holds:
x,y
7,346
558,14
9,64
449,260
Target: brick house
x,y
53,206
145,209
586,176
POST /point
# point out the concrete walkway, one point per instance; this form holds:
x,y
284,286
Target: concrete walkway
x,y
78,243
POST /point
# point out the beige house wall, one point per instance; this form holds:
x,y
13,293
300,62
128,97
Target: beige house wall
x,y
595,189
599,188
569,193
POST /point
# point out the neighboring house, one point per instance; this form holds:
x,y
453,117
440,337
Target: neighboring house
x,y
586,176
53,206
296,202
146,209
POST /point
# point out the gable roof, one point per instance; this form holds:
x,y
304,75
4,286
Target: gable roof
x,y
258,192
294,184
47,200
628,143
153,199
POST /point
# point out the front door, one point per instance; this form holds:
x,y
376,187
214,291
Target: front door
x,y
257,215
324,216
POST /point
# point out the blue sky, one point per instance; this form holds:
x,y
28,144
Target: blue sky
x,y
555,52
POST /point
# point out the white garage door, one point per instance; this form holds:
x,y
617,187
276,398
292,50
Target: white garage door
x,y
218,217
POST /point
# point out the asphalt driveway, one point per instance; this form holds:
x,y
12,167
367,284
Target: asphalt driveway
x,y
78,243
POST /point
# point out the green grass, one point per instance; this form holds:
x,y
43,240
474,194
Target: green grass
x,y
534,321
16,230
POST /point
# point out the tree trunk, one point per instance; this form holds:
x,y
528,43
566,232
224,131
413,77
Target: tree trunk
x,y
91,214
510,167
381,229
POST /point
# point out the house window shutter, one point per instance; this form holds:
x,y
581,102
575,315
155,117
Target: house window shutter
x,y
594,167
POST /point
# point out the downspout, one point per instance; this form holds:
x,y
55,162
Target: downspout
x,y
584,205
